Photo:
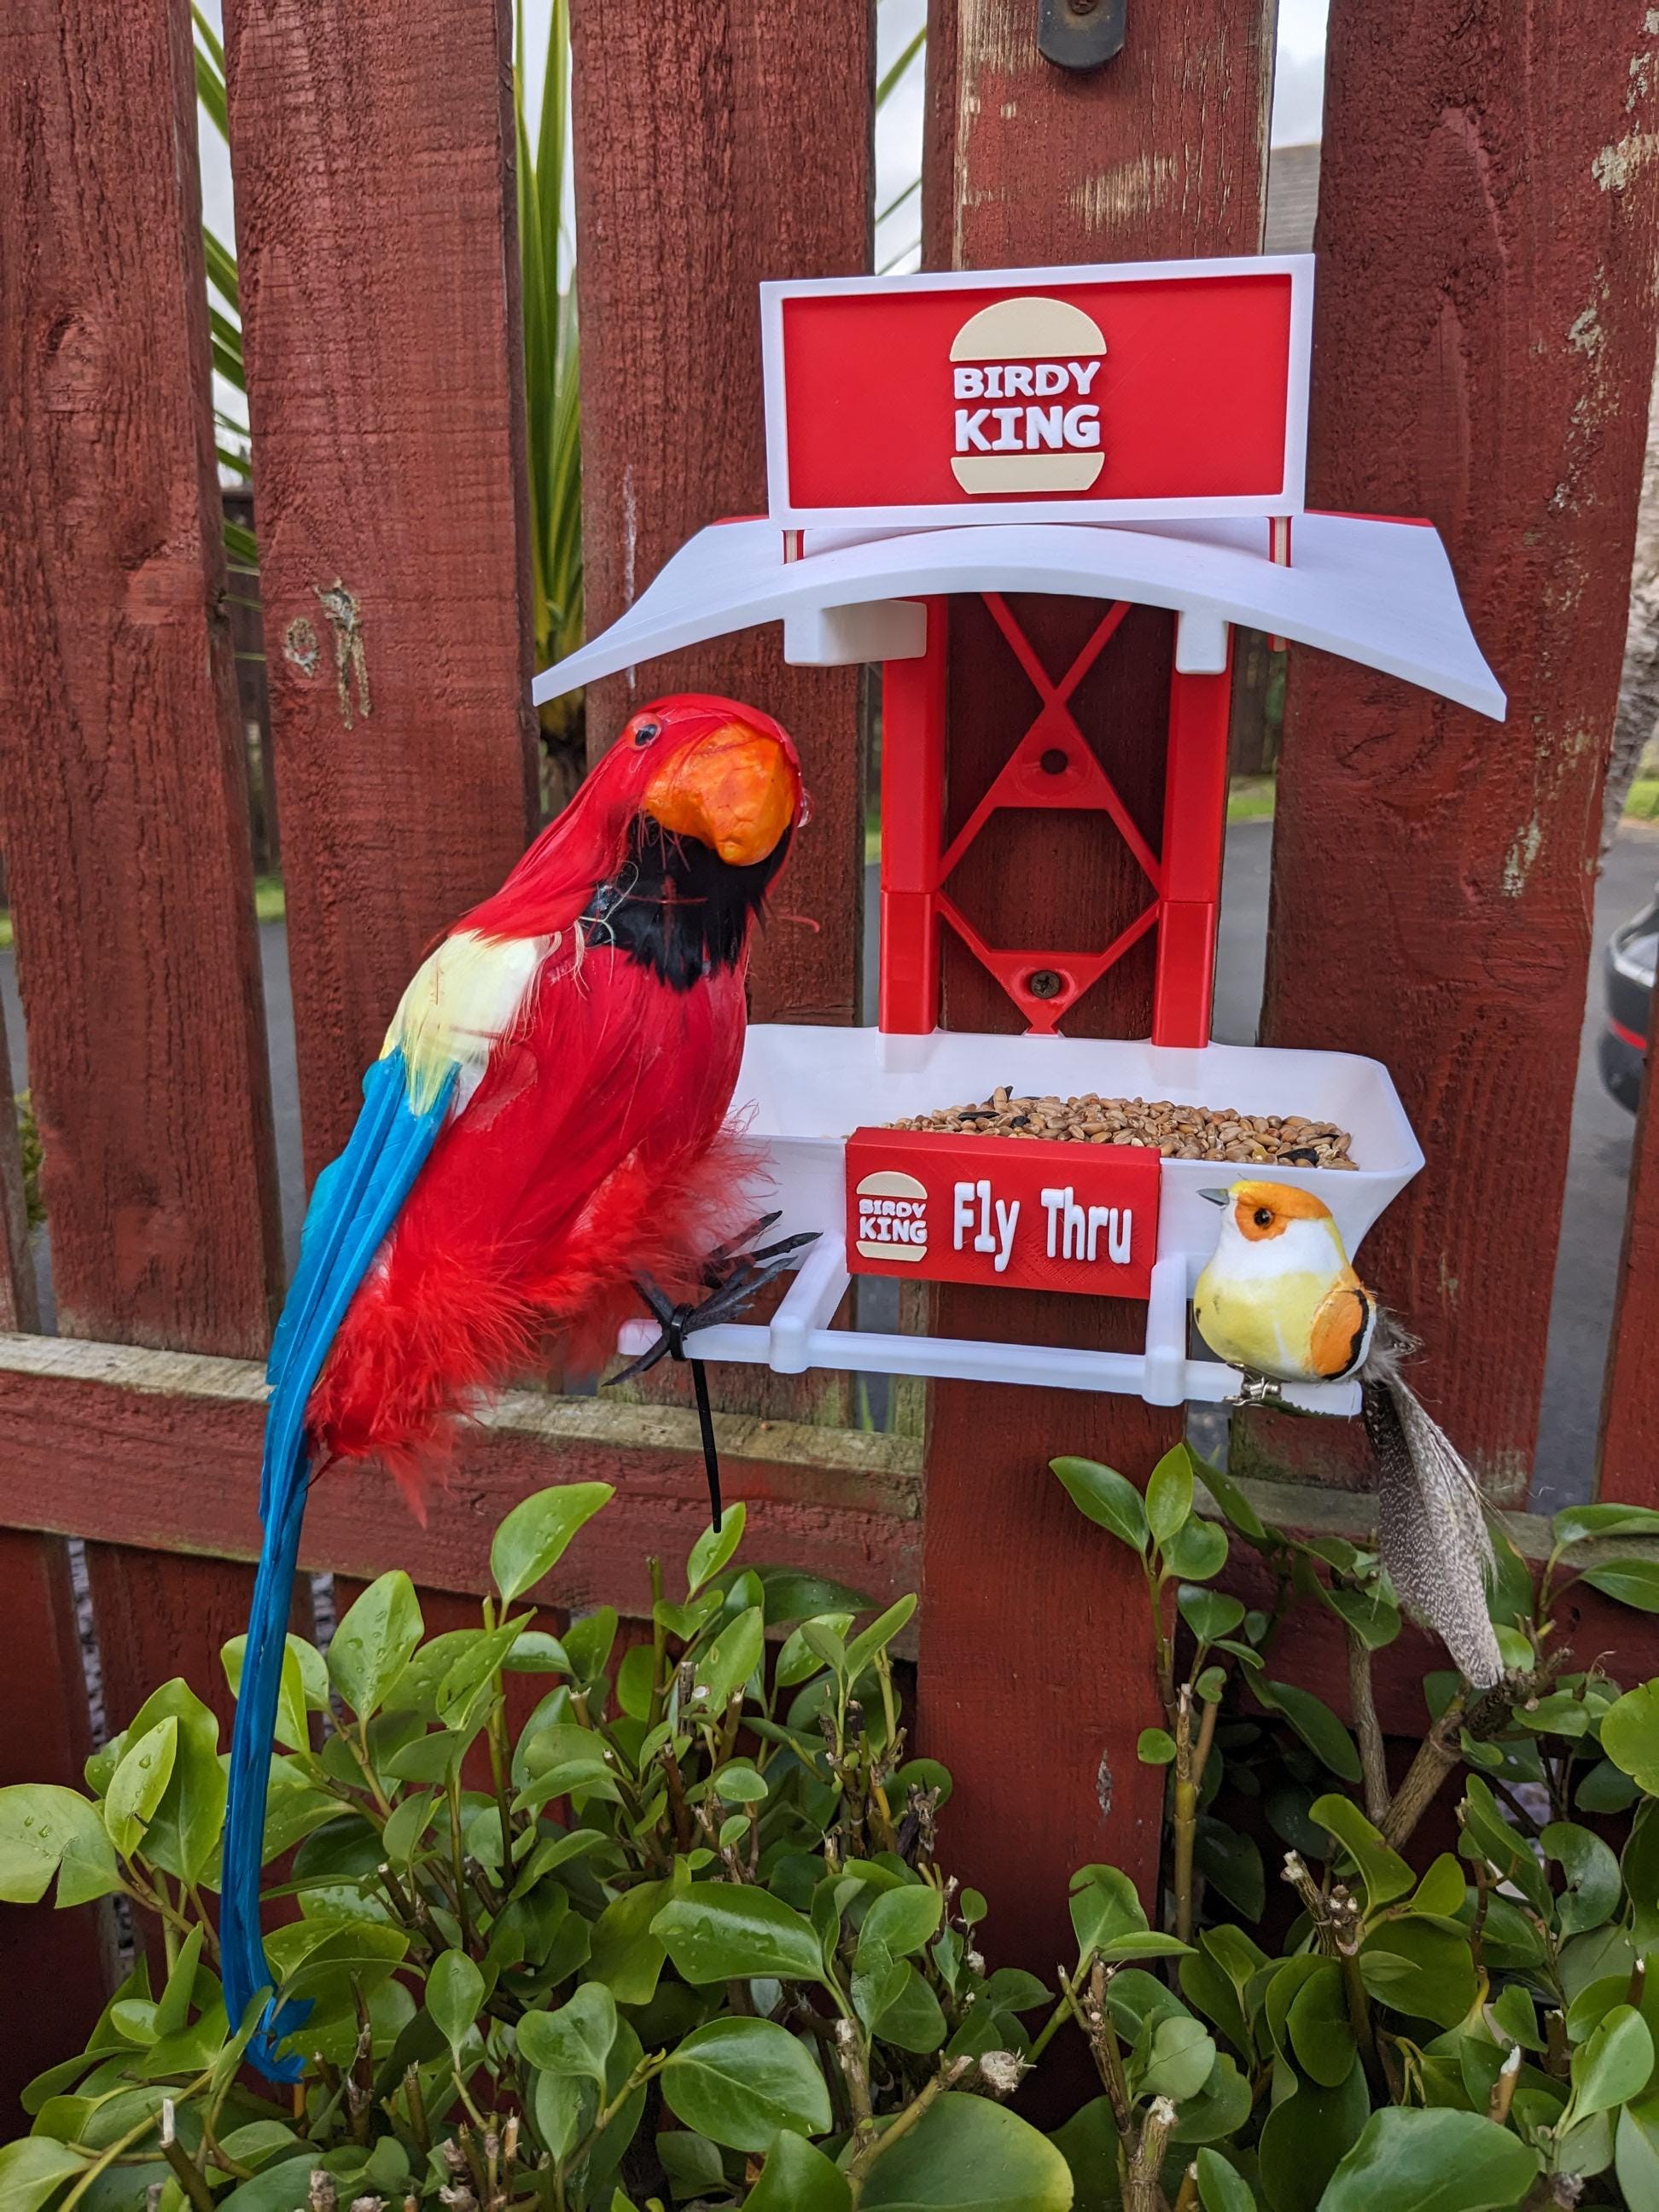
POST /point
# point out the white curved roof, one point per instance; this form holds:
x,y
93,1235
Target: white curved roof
x,y
1381,593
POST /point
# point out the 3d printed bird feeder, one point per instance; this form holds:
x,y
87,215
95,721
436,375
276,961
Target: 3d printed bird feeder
x,y
1133,435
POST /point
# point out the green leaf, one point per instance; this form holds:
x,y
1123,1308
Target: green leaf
x,y
1320,2033
533,1537
880,1633
1170,1494
139,1783
719,1931
43,1828
455,1995
1442,1889
31,2170
901,1920
1636,2153
1579,1523
1385,1874
1231,1862
909,2016
966,2154
1614,2066
1221,2187
1106,1497
1197,1550
740,1783
797,2179
1105,1907
1179,2060
1211,1615
1316,1724
1417,1967
627,1956
1593,1883
576,2039
183,1830
715,1547
372,1644
728,1662
172,2007
799,1659
1629,1735
1634,1583
278,2188
1233,1503
1155,1746
738,2081
1438,2160
792,1596
1303,2139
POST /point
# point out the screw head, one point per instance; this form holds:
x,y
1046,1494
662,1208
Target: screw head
x,y
1044,983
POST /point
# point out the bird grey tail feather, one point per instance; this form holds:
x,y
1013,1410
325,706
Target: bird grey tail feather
x,y
1431,1521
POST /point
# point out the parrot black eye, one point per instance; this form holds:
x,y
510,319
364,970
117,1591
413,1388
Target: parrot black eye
x,y
1263,1216
644,731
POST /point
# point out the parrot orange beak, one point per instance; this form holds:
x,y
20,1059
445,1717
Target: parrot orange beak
x,y
735,791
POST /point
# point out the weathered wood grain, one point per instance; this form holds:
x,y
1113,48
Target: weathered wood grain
x,y
1629,1463
123,789
717,145
101,1442
374,159
1483,347
1033,1677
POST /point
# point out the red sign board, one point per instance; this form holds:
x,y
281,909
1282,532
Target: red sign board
x,y
1032,1215
1102,394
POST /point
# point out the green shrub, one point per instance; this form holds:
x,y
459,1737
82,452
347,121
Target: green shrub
x,y
688,1939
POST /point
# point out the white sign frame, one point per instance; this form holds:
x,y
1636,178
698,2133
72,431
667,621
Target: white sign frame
x,y
1289,499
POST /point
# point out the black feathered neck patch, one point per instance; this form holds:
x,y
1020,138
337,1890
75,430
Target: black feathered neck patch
x,y
676,908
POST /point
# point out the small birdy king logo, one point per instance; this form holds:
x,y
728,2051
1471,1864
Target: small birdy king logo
x,y
892,1216
1023,377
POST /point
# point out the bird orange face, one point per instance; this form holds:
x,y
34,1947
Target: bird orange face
x,y
735,787
1262,1210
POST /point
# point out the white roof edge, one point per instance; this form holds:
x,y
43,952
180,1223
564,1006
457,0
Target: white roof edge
x,y
1377,593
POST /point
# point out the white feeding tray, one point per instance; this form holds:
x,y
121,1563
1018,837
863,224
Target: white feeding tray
x,y
807,1089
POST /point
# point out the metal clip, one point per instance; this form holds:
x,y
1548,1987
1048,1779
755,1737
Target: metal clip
x,y
1080,35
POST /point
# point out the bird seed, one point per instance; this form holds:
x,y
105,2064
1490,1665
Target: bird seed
x,y
1176,1133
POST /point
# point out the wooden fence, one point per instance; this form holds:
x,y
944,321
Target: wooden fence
x,y
1485,343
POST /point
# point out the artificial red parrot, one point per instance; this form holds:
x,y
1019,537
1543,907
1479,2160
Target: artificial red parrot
x,y
543,1136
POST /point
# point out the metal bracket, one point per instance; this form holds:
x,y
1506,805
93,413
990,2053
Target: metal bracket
x,y
1080,35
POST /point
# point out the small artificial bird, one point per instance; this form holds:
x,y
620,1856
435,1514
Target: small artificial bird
x,y
1281,1299
543,1134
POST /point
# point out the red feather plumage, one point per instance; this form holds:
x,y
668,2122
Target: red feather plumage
x,y
595,1148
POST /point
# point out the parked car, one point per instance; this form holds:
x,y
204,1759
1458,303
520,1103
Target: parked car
x,y
1632,956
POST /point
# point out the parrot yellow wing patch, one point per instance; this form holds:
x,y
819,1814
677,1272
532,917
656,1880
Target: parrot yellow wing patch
x,y
460,1001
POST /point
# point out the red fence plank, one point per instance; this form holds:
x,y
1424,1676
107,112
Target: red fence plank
x,y
122,1459
373,152
1034,1670
1484,351
715,147
124,813
1630,1408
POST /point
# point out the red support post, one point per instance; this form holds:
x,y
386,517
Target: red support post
x,y
912,829
1195,824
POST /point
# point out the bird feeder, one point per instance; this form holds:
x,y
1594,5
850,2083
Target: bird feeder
x,y
1132,434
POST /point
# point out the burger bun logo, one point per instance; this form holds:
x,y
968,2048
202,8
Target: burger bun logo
x,y
892,1216
1023,378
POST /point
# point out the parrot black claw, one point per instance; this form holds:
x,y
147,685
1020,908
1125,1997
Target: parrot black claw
x,y
733,1272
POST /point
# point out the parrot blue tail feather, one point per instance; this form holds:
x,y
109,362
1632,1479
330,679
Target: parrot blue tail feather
x,y
355,1202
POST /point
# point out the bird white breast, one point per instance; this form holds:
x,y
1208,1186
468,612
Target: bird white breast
x,y
461,1001
1302,1248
